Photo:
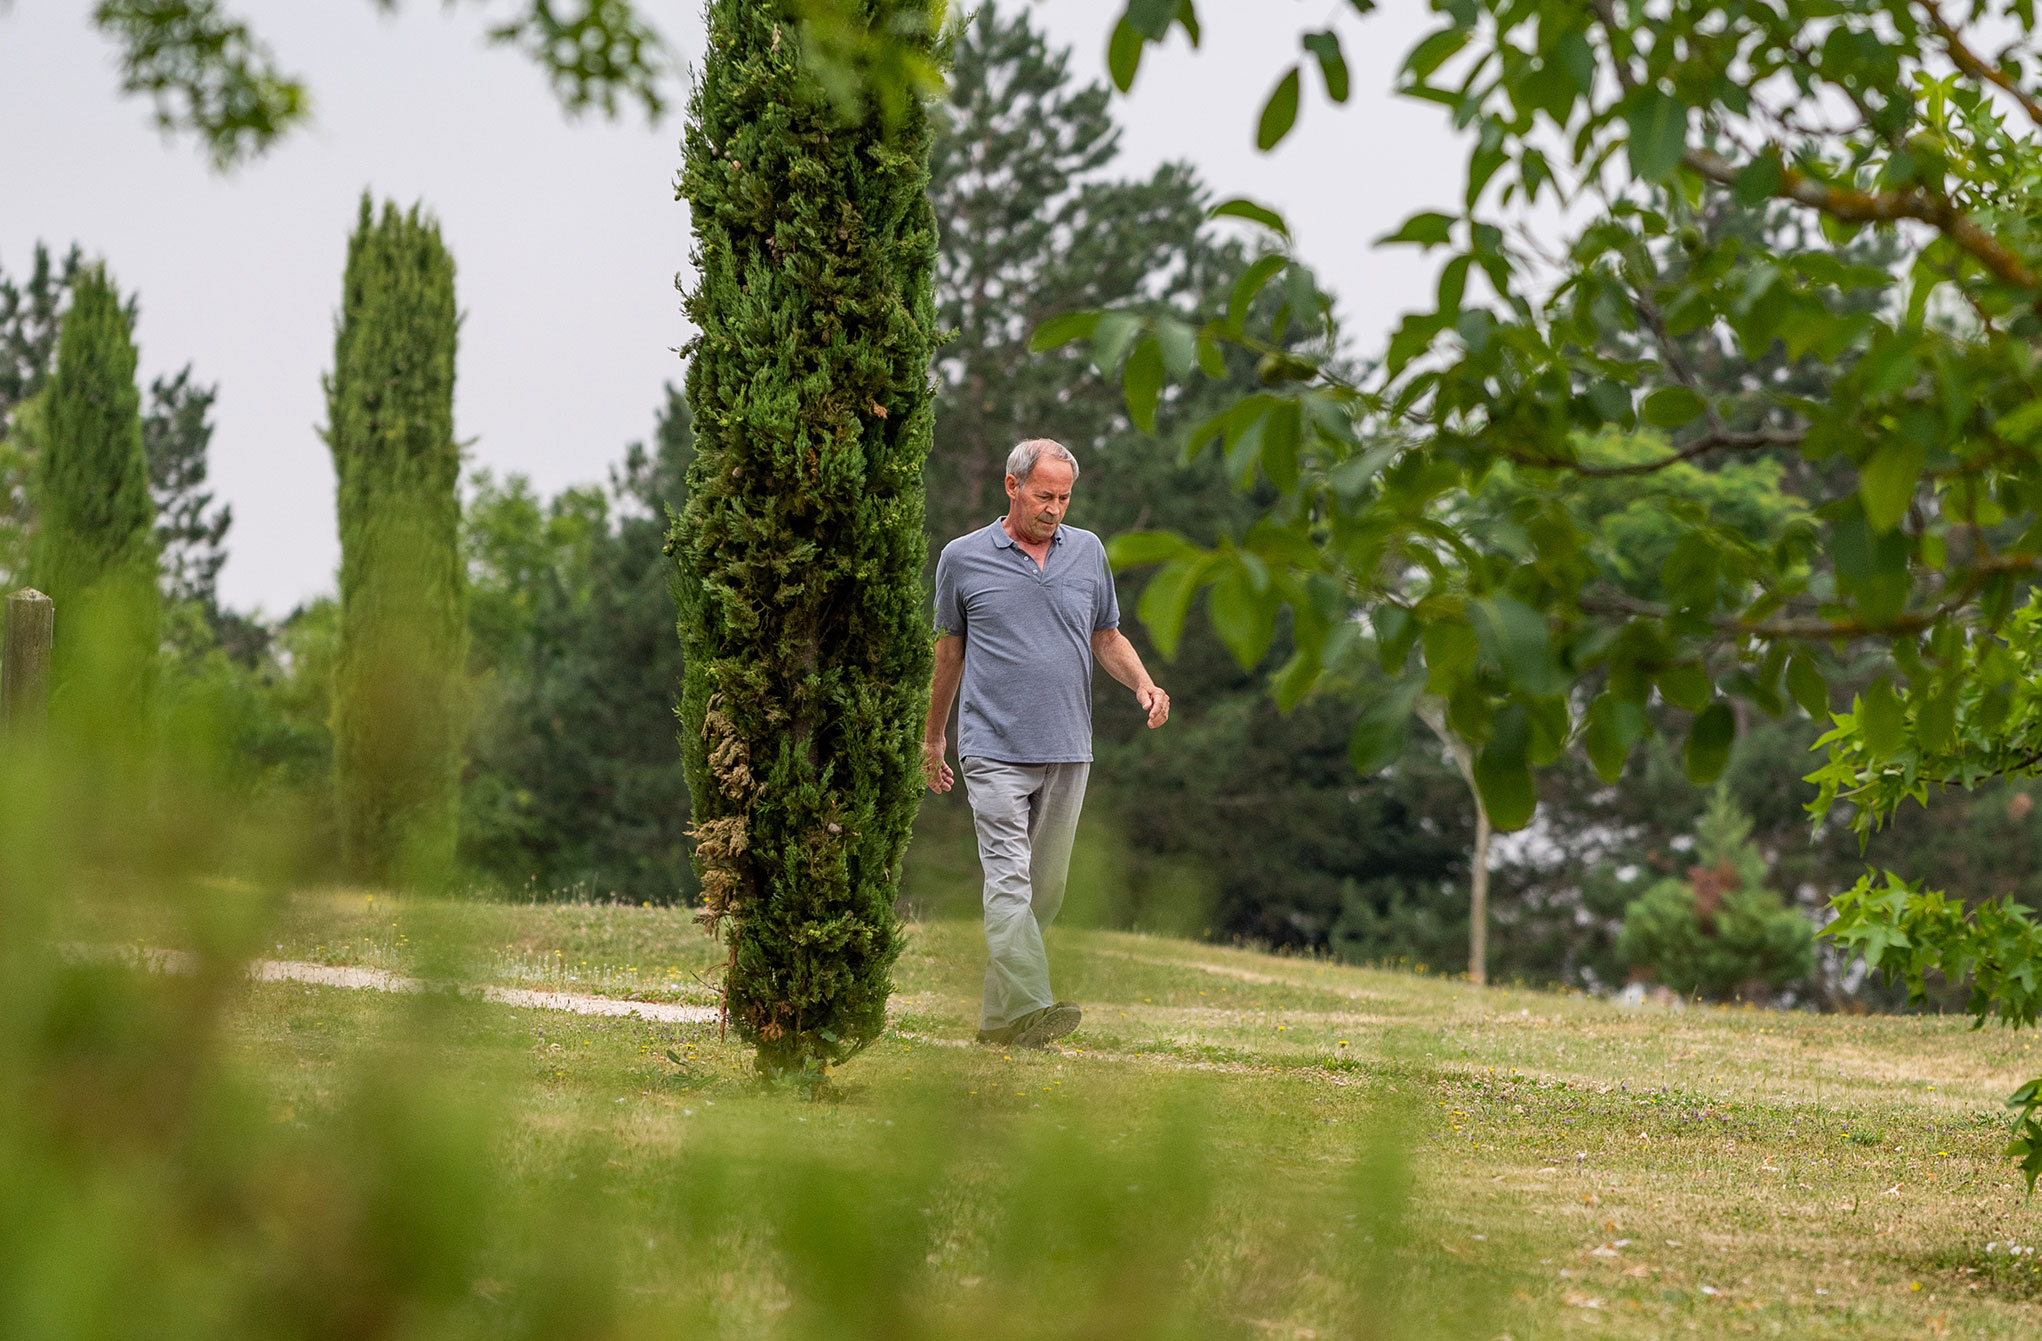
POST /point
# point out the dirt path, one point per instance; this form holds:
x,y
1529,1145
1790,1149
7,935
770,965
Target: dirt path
x,y
378,980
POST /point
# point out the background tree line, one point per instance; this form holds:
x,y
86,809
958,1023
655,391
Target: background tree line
x,y
1242,821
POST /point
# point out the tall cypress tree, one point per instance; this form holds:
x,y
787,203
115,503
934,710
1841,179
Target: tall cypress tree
x,y
397,680
95,544
800,548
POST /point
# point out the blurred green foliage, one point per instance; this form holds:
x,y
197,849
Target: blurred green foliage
x,y
210,76
168,1169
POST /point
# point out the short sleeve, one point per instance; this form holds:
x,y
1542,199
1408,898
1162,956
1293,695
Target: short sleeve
x,y
949,600
1106,609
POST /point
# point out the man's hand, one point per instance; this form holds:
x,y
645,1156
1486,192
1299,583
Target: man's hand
x,y
937,772
1124,664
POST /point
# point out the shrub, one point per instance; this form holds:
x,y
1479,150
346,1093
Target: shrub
x,y
1719,933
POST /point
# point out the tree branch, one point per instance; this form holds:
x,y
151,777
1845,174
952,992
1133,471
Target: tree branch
x,y
1725,439
1855,206
1965,59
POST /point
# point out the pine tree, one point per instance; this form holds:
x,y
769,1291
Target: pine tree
x,y
94,549
398,687
800,549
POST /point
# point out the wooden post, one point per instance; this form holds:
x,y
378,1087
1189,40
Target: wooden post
x,y
25,660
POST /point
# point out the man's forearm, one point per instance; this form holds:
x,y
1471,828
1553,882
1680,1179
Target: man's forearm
x,y
943,684
1121,661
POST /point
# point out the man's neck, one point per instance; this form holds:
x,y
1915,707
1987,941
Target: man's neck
x,y
1036,548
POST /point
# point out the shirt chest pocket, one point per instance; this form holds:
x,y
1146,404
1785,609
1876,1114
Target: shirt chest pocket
x,y
1075,599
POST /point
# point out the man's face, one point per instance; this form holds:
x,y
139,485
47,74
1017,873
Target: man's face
x,y
1038,507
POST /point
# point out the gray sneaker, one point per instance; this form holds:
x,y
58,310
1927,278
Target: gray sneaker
x,y
1041,1028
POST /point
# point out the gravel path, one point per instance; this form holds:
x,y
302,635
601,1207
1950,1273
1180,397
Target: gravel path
x,y
378,980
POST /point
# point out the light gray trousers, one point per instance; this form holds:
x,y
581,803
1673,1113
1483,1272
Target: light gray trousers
x,y
1027,817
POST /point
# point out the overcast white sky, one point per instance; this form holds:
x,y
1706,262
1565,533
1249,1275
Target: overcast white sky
x,y
566,234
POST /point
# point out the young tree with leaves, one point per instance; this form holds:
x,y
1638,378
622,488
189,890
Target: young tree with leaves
x,y
1924,532
800,551
398,691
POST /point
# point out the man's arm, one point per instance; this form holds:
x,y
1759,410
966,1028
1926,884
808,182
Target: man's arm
x,y
1124,664
942,693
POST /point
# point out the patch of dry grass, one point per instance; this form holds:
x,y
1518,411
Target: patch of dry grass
x,y
1577,1168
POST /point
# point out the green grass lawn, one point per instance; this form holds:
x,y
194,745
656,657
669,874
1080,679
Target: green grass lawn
x,y
1233,1144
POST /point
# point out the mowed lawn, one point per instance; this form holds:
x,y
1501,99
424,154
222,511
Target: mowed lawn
x,y
1233,1144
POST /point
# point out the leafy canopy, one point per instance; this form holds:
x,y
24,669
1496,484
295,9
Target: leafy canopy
x,y
1919,459
1917,462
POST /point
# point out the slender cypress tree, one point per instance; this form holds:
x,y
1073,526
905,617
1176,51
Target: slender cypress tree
x,y
95,544
397,696
800,548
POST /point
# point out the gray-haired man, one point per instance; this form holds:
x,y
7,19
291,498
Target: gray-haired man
x,y
1022,608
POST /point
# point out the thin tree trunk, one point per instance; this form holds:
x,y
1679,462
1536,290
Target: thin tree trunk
x,y
1478,896
1433,712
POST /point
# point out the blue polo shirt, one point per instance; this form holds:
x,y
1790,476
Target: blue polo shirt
x,y
1027,691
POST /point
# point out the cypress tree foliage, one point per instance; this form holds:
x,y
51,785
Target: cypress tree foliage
x,y
397,702
800,549
94,551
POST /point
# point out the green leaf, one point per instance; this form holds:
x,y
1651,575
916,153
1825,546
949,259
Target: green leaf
x,y
1280,447
1240,207
1709,742
1880,722
1061,330
1658,126
1935,719
1179,344
1434,51
1759,180
1614,726
1685,686
1385,725
1132,549
1124,54
1143,383
1295,680
1395,632
1515,637
1111,338
1167,600
1244,619
1151,18
1503,771
1612,400
1301,293
1808,687
1279,114
1671,406
1352,476
1249,284
1427,229
1332,64
1887,481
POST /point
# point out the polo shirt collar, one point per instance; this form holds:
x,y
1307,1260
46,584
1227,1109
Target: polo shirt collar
x,y
1005,541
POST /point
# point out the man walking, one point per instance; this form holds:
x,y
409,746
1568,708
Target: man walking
x,y
1022,609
